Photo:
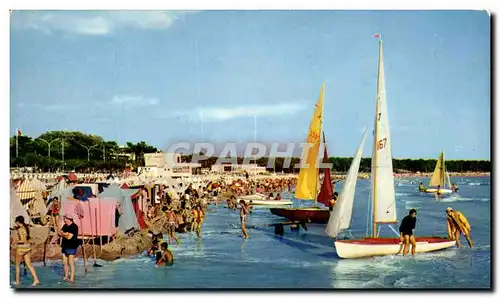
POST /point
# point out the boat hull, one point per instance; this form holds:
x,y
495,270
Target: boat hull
x,y
434,190
370,247
269,202
313,215
260,200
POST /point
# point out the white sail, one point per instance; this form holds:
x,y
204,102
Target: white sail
x,y
340,217
383,192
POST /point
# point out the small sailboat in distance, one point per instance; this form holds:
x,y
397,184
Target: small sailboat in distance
x,y
440,178
383,193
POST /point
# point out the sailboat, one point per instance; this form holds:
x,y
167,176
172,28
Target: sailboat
x,y
439,176
383,194
307,185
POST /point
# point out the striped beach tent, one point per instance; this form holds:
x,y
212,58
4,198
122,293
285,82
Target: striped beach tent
x,y
26,191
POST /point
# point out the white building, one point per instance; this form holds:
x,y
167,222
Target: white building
x,y
166,165
232,168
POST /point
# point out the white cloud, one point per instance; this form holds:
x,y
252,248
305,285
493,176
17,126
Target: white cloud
x,y
219,114
130,100
94,22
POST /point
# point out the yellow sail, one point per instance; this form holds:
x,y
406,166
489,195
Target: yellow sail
x,y
308,176
438,175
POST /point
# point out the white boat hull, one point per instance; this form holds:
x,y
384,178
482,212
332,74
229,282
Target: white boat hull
x,y
354,249
434,190
269,202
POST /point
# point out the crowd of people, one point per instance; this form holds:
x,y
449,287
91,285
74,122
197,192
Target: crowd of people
x,y
184,212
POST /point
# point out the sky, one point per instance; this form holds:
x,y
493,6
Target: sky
x,y
170,76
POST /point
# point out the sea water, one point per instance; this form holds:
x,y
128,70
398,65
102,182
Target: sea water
x,y
307,259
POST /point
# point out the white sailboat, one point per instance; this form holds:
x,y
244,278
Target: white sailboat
x,y
440,177
261,200
340,216
383,194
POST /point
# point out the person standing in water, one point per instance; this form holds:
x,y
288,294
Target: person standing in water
x,y
406,232
333,200
171,225
243,218
457,224
69,245
23,250
199,220
421,187
454,188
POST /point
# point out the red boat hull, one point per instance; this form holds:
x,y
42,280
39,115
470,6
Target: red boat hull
x,y
313,215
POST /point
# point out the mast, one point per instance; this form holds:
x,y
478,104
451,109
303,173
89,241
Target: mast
x,y
443,171
375,138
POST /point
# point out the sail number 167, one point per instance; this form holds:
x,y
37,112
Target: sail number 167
x,y
381,144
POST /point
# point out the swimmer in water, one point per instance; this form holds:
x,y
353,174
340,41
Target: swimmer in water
x,y
166,257
154,248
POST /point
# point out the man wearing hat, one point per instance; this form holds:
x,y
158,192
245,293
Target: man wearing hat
x,y
69,245
457,224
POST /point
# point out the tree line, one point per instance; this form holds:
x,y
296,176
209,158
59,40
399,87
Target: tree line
x,y
82,152
86,152
342,164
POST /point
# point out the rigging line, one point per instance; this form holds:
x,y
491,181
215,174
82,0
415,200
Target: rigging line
x,y
394,230
379,228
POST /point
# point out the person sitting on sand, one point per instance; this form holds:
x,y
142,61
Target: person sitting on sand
x,y
457,224
278,197
23,250
166,258
421,187
270,197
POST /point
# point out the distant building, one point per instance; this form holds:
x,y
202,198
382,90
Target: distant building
x,y
236,168
167,165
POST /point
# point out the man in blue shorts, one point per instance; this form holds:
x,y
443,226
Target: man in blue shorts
x,y
69,245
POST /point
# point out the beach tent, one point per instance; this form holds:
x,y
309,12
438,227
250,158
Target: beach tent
x,y
95,217
26,190
38,185
129,219
16,208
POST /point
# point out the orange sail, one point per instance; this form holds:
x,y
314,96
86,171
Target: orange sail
x,y
308,176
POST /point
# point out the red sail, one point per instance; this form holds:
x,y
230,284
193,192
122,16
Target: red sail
x,y
325,193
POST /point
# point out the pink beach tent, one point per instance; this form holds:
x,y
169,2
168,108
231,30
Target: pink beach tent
x,y
96,217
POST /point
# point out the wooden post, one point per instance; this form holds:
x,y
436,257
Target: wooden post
x,y
100,236
93,236
83,249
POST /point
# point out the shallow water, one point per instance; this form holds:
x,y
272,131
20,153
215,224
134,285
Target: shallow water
x,y
222,259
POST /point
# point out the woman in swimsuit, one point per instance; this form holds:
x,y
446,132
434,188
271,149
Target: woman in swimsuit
x,y
23,250
55,213
199,220
243,218
194,215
